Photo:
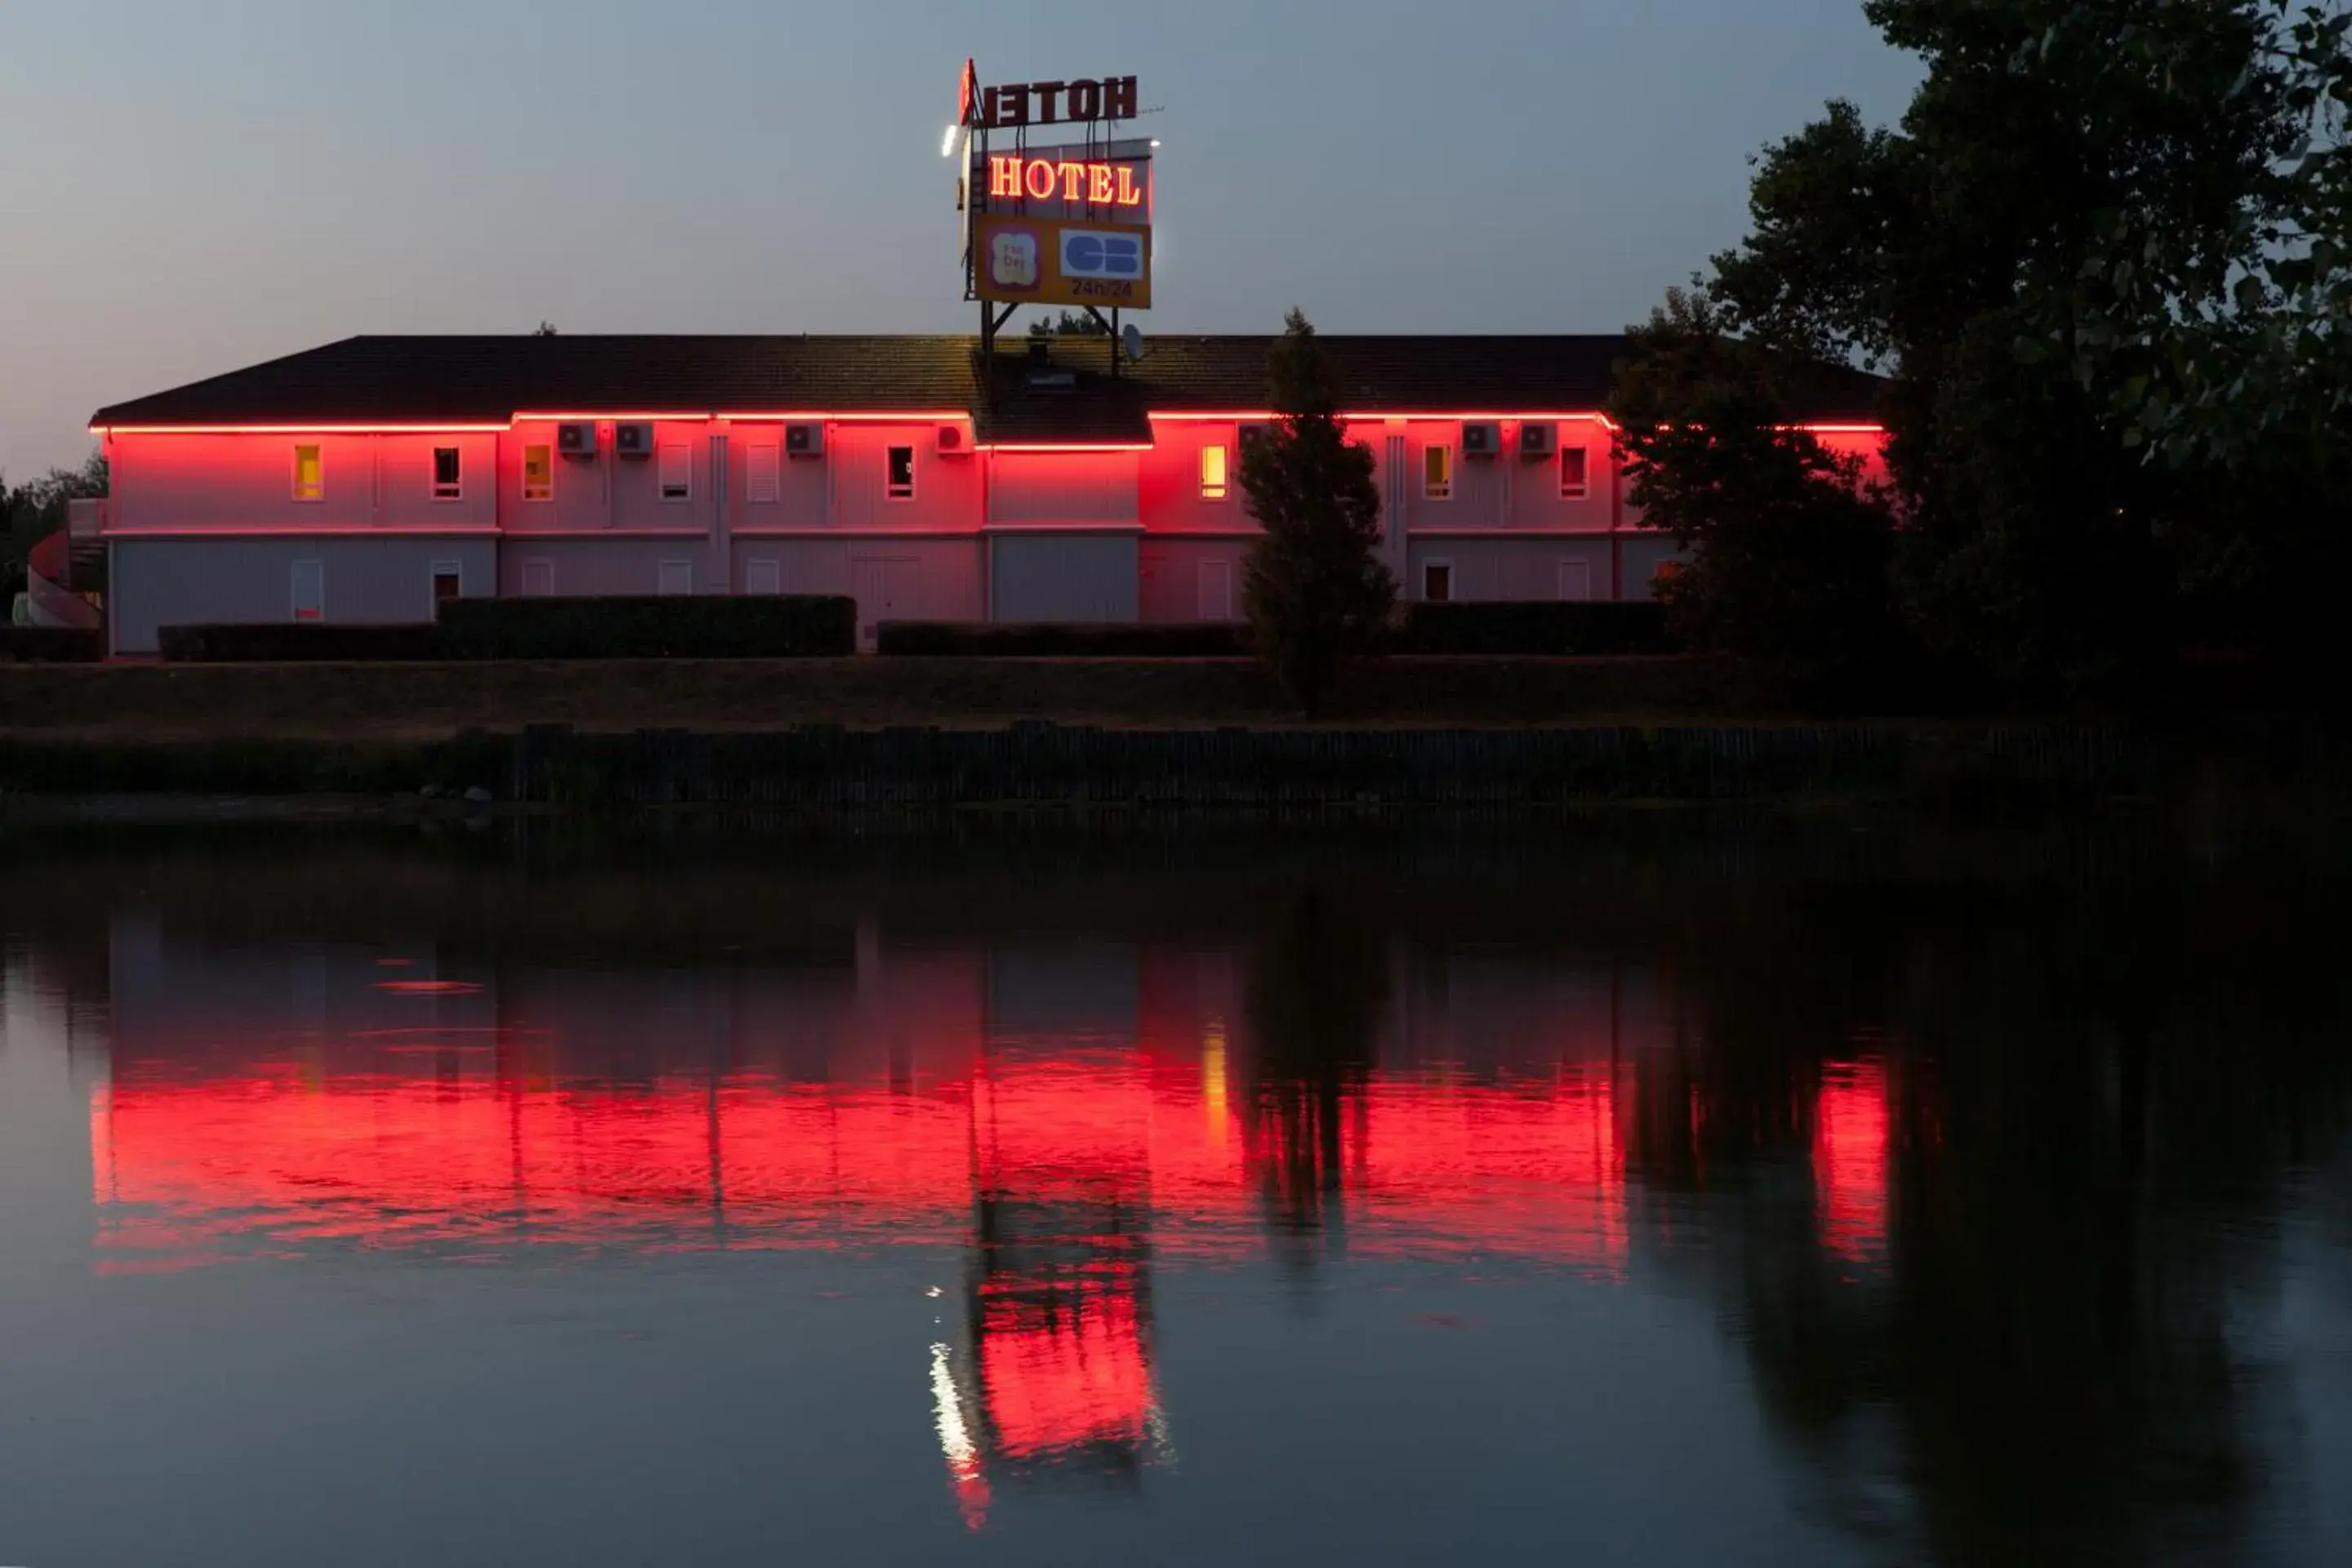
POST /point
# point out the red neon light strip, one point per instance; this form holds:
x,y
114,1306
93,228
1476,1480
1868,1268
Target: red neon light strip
x,y
1026,447
297,429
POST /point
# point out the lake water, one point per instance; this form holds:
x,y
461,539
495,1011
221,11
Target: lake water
x,y
1648,1190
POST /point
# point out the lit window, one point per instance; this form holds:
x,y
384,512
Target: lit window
x,y
902,473
1572,473
447,484
677,471
1437,582
310,474
1437,472
538,473
448,580
1214,473
761,472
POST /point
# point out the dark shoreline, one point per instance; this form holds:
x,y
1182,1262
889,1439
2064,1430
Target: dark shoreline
x,y
1035,766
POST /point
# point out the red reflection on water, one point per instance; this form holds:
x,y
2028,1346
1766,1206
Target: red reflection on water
x,y
1850,1159
409,1155
429,987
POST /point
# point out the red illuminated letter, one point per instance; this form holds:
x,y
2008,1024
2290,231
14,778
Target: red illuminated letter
x,y
1118,94
1041,188
1102,189
1074,182
1003,176
1129,195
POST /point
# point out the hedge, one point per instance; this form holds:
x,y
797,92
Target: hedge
x,y
51,644
665,626
284,641
1559,626
972,639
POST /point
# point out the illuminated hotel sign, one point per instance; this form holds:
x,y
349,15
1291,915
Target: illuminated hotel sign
x,y
1013,177
1048,103
1067,224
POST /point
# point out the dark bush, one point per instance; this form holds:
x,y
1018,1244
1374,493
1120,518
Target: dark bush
x,y
51,644
969,639
1562,626
679,627
270,642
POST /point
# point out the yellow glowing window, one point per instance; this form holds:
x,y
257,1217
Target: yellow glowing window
x,y
1437,473
310,474
1214,473
538,473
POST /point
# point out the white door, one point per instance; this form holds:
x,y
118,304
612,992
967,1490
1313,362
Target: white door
x,y
677,577
1576,580
539,579
886,590
762,577
1216,590
310,590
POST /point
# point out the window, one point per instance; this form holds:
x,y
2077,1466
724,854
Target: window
x,y
310,590
539,579
675,577
1576,581
310,474
1214,473
1437,582
763,577
677,471
448,580
1572,474
1437,472
539,473
902,473
761,482
447,484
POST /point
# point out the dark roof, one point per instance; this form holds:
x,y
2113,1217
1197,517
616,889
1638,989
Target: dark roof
x,y
463,379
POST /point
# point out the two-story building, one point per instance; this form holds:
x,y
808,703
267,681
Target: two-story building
x,y
368,479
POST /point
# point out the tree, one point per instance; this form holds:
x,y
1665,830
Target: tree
x,y
546,328
1789,570
1070,324
1316,591
30,513
1954,252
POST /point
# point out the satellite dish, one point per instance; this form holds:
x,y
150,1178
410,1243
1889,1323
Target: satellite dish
x,y
1131,339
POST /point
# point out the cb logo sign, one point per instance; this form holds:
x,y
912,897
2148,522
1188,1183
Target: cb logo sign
x,y
1097,253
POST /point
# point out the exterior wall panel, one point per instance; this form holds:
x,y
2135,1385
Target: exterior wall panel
x,y
236,480
156,583
1063,486
1063,577
1172,571
1488,570
601,567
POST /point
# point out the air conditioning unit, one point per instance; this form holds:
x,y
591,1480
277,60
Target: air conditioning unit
x,y
1538,440
804,440
576,440
1481,440
952,441
635,440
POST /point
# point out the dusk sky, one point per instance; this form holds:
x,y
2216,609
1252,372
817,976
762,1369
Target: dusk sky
x,y
190,188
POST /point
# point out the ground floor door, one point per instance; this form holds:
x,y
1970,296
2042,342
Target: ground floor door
x,y
1216,590
887,589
